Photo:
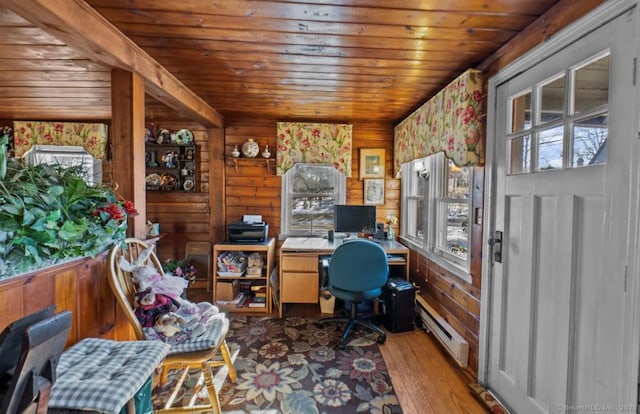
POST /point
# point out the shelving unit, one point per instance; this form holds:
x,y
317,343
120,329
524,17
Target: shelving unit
x,y
267,251
170,167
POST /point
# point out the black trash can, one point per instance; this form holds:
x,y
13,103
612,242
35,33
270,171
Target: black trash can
x,y
398,301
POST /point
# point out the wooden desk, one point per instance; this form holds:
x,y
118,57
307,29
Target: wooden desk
x,y
299,280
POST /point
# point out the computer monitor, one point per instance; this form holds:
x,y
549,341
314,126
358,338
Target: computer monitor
x,y
354,218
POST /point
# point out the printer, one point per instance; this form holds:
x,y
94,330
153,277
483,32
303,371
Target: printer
x,y
250,229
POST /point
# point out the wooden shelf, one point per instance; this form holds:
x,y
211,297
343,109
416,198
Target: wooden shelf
x,y
267,249
236,162
180,176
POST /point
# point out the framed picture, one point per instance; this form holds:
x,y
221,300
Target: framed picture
x,y
374,191
371,163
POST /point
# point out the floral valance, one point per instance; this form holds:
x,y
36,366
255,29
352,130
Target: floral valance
x,y
93,137
451,121
313,143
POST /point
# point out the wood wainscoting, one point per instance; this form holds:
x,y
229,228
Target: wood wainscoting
x,y
80,286
457,301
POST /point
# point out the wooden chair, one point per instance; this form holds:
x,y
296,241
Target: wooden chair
x,y
29,387
183,356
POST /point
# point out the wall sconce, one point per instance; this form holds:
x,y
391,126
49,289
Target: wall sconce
x,y
420,170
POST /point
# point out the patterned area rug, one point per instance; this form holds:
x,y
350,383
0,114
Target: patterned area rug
x,y
291,366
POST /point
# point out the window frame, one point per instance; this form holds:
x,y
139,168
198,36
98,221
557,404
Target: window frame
x,y
434,170
567,122
288,195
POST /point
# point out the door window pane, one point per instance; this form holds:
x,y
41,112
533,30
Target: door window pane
x,y
592,85
550,148
590,141
520,153
521,112
552,100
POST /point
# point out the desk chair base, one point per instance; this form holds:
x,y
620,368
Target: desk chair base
x,y
352,321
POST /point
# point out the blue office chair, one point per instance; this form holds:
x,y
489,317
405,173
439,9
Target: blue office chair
x,y
357,272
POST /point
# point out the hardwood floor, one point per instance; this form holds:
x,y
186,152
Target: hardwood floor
x,y
424,379
422,373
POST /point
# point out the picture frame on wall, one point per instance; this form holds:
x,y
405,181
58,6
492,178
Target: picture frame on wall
x,y
374,191
372,163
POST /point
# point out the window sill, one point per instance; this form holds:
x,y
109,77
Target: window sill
x,y
437,259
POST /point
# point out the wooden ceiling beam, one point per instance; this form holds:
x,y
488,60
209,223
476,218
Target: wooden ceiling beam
x,y
81,27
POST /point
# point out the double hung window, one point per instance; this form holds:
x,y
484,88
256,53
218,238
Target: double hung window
x,y
435,209
309,192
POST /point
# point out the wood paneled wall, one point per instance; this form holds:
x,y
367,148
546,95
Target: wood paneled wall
x,y
254,188
188,216
457,301
80,286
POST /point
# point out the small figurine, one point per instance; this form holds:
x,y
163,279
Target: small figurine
x,y
164,136
168,159
266,153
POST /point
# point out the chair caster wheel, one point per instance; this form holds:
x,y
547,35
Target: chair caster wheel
x,y
381,339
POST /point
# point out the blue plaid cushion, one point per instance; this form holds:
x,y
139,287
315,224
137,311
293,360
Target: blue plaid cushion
x,y
213,336
102,375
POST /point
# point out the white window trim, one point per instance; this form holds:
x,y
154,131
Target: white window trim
x,y
434,168
285,202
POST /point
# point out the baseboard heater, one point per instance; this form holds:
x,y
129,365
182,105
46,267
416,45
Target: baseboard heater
x,y
453,342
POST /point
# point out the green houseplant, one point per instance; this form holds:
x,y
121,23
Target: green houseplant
x,y
48,214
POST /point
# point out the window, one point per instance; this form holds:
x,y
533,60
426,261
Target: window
x,y
309,192
435,208
562,122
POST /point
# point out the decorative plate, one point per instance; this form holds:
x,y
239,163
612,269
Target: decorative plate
x,y
250,148
184,136
153,179
188,184
169,182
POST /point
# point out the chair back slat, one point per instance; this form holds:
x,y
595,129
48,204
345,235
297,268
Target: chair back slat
x,y
121,282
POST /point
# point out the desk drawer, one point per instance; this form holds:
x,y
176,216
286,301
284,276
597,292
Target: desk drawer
x,y
301,263
299,287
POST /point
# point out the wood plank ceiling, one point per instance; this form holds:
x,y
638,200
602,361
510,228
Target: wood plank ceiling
x,y
337,60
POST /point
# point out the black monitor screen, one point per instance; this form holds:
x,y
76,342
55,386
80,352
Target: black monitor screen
x,y
354,218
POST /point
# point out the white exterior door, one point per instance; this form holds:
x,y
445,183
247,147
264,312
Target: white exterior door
x,y
562,169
